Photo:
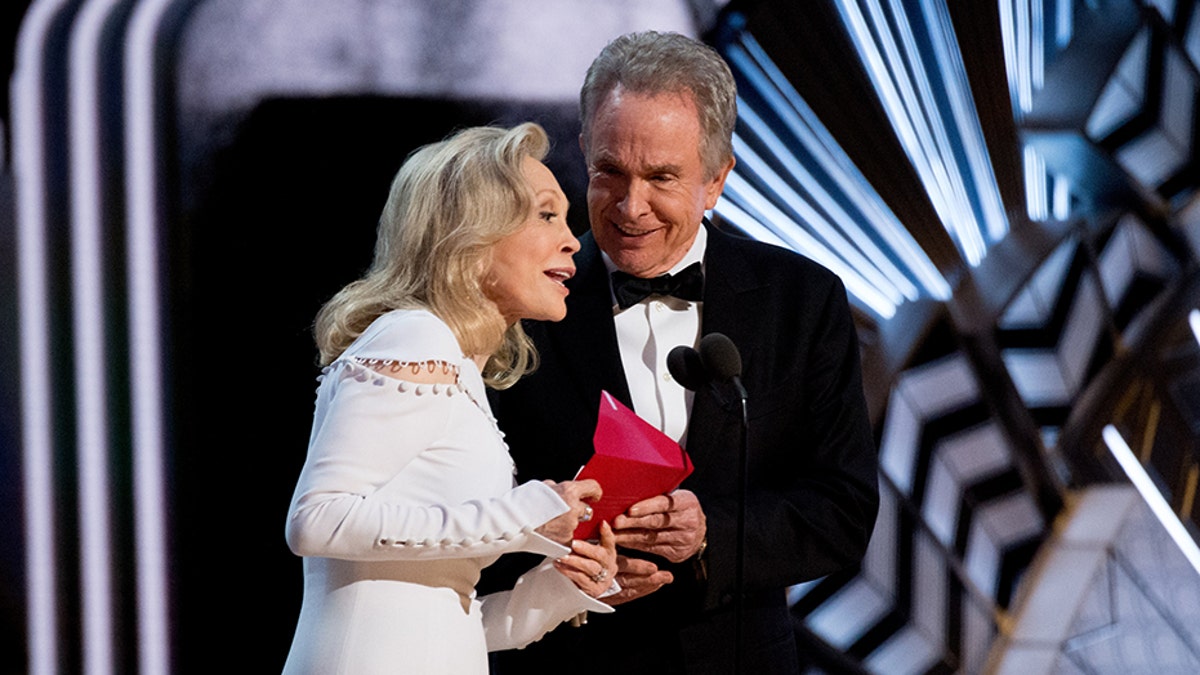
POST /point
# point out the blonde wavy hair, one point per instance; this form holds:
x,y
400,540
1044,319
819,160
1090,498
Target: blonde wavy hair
x,y
448,204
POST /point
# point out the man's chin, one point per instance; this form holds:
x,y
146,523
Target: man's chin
x,y
629,260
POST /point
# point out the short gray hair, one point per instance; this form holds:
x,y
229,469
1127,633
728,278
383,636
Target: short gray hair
x,y
652,63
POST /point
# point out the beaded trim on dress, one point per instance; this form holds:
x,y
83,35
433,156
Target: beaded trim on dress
x,y
395,366
361,369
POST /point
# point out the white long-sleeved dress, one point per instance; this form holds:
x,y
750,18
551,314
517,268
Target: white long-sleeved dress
x,y
407,492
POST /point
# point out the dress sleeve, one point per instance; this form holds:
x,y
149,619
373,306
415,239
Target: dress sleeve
x,y
541,600
366,436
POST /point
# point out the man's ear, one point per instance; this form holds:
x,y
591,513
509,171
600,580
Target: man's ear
x,y
712,191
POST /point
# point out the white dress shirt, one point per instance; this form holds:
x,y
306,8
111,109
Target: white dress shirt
x,y
646,333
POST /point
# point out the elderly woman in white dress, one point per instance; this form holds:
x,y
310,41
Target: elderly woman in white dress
x,y
407,491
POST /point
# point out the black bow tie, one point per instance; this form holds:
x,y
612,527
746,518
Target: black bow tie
x,y
688,284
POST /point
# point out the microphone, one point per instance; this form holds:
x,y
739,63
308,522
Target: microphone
x,y
721,358
686,366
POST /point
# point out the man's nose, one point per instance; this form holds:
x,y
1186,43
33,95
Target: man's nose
x,y
635,202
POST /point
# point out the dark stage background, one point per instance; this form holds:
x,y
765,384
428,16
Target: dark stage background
x,y
276,127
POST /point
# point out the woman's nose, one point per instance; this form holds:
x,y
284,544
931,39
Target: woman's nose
x,y
570,242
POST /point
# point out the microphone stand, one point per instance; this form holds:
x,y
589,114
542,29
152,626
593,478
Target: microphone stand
x,y
739,592
719,361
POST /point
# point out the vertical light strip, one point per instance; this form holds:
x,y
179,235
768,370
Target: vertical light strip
x,y
1037,44
749,58
1151,494
1061,199
815,221
909,63
1023,31
1064,23
1035,184
91,386
37,442
923,116
145,336
1194,322
748,224
1024,34
749,200
922,110
890,77
844,232
949,62
756,225
1012,64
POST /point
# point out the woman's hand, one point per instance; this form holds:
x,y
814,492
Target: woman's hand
x,y
576,493
591,566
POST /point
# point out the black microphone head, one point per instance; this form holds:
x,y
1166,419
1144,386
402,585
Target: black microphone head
x,y
685,366
720,357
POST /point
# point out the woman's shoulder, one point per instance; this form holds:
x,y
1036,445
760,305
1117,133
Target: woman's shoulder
x,y
407,335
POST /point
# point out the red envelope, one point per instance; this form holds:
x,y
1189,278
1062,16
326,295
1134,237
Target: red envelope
x,y
632,461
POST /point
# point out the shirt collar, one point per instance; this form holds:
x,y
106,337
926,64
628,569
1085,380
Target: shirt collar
x,y
694,254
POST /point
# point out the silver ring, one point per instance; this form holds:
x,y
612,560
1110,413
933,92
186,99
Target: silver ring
x,y
587,514
600,576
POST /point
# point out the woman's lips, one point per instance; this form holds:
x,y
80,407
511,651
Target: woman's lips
x,y
560,274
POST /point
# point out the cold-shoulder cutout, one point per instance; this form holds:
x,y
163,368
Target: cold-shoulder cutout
x,y
421,372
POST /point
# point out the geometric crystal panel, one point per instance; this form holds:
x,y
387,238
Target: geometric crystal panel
x,y
1052,376
1164,149
1049,362
1123,95
1109,593
847,615
999,529
956,528
919,395
1132,251
958,463
1034,304
1127,630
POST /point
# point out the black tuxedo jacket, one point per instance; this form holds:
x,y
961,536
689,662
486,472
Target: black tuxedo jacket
x,y
812,491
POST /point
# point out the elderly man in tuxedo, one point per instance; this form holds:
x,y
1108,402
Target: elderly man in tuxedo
x,y
658,112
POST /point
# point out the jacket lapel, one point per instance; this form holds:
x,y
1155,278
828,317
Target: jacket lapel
x,y
729,284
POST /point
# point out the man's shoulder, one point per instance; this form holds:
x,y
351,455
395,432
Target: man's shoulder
x,y
771,259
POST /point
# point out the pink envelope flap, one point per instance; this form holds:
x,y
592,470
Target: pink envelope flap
x,y
632,461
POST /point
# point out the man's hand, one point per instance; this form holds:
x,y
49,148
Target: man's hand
x,y
671,526
637,578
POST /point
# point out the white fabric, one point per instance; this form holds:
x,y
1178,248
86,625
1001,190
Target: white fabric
x,y
646,333
405,495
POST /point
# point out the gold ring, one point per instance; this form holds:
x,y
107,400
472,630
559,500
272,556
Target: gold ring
x,y
587,514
